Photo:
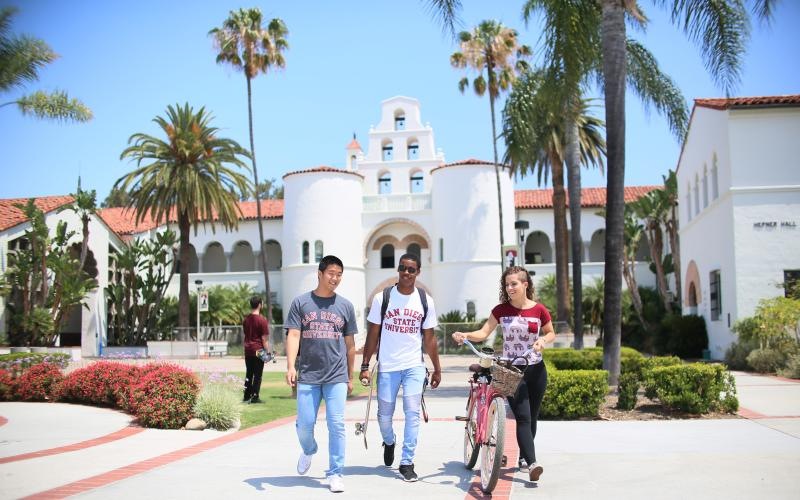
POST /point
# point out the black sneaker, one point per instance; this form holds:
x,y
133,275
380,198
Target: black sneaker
x,y
407,471
255,401
388,454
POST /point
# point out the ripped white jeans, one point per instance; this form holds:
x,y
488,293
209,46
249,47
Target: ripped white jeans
x,y
389,384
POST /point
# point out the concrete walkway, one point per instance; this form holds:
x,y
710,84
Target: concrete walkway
x,y
59,450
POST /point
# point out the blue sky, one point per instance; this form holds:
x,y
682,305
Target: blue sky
x,y
129,60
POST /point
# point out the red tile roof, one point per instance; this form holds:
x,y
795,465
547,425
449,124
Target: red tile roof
x,y
11,216
741,102
122,220
590,197
322,168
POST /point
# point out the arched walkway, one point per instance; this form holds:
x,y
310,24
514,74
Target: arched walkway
x,y
537,249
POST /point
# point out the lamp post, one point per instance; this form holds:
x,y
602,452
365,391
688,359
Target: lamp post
x,y
521,226
199,284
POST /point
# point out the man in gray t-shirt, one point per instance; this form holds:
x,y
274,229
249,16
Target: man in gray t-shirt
x,y
321,325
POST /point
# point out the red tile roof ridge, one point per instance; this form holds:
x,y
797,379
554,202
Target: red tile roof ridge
x,y
721,103
322,168
590,197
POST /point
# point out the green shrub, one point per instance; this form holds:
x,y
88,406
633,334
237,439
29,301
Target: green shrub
x,y
736,354
654,362
626,390
218,406
766,360
590,358
683,336
574,393
694,388
792,369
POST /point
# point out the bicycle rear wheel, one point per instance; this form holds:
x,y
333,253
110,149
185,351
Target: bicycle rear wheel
x,y
492,456
471,447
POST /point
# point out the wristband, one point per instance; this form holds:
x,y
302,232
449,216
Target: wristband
x,y
364,367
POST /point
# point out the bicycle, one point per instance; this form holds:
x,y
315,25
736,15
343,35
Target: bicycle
x,y
485,426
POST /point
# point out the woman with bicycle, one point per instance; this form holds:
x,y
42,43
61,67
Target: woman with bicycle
x,y
526,326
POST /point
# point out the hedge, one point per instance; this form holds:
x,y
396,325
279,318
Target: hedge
x,y
694,388
574,393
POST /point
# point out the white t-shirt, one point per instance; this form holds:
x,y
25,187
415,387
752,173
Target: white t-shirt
x,y
401,337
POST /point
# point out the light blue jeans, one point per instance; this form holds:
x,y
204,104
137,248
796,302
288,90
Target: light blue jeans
x,y
389,383
309,397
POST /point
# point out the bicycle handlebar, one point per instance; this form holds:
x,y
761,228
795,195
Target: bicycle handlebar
x,y
487,356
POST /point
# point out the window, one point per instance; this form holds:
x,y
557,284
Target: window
x,y
353,161
417,182
414,249
715,289
305,252
388,150
387,257
441,249
714,179
470,310
791,283
696,194
413,151
318,251
688,202
705,186
400,122
385,183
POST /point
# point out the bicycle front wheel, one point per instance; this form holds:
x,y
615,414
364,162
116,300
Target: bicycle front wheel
x,y
471,447
492,455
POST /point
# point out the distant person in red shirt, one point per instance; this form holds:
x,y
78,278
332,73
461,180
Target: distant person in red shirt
x,y
256,336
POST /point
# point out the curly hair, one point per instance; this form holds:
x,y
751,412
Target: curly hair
x,y
529,292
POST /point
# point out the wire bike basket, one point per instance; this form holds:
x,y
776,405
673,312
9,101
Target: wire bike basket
x,y
506,379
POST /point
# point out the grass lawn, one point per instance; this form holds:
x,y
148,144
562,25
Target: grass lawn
x,y
277,400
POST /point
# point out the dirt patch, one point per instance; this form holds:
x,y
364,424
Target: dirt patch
x,y
647,409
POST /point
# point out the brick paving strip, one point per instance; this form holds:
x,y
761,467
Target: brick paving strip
x,y
506,480
3,420
114,436
121,473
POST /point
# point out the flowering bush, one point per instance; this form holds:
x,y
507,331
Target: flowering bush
x,y
7,384
165,396
102,383
18,362
36,383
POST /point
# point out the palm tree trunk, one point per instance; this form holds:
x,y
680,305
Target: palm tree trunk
x,y
560,229
613,36
629,272
655,238
85,244
184,226
675,250
258,203
497,179
574,186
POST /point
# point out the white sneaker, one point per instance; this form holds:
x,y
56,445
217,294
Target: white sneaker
x,y
303,463
336,484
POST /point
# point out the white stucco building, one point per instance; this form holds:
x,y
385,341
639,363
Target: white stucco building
x,y
739,187
398,196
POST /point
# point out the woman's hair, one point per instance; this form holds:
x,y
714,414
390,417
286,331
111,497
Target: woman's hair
x,y
525,277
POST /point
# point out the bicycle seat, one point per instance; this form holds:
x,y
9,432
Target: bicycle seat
x,y
475,368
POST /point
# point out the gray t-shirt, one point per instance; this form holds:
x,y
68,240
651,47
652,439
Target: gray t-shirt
x,y
323,322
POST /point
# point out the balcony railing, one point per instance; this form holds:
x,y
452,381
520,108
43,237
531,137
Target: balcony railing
x,y
397,202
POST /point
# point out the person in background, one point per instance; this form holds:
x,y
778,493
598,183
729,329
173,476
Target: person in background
x,y
256,336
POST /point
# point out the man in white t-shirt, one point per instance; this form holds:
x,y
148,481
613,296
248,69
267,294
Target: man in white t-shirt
x,y
405,325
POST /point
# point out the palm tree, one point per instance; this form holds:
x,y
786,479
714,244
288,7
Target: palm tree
x,y
653,208
21,58
245,44
85,205
190,177
720,29
671,194
535,135
493,48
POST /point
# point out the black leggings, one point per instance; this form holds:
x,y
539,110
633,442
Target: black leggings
x,y
252,380
525,405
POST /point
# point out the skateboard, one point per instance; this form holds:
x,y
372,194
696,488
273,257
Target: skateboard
x,y
361,427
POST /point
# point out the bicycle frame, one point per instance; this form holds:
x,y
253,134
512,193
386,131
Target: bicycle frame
x,y
481,394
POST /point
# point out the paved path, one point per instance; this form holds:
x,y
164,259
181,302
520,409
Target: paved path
x,y
58,450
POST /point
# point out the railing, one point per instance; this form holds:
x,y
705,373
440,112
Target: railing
x,y
396,202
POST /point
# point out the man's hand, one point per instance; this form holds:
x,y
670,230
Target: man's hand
x,y
291,377
436,378
364,378
349,387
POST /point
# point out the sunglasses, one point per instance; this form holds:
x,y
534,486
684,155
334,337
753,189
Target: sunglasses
x,y
410,269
